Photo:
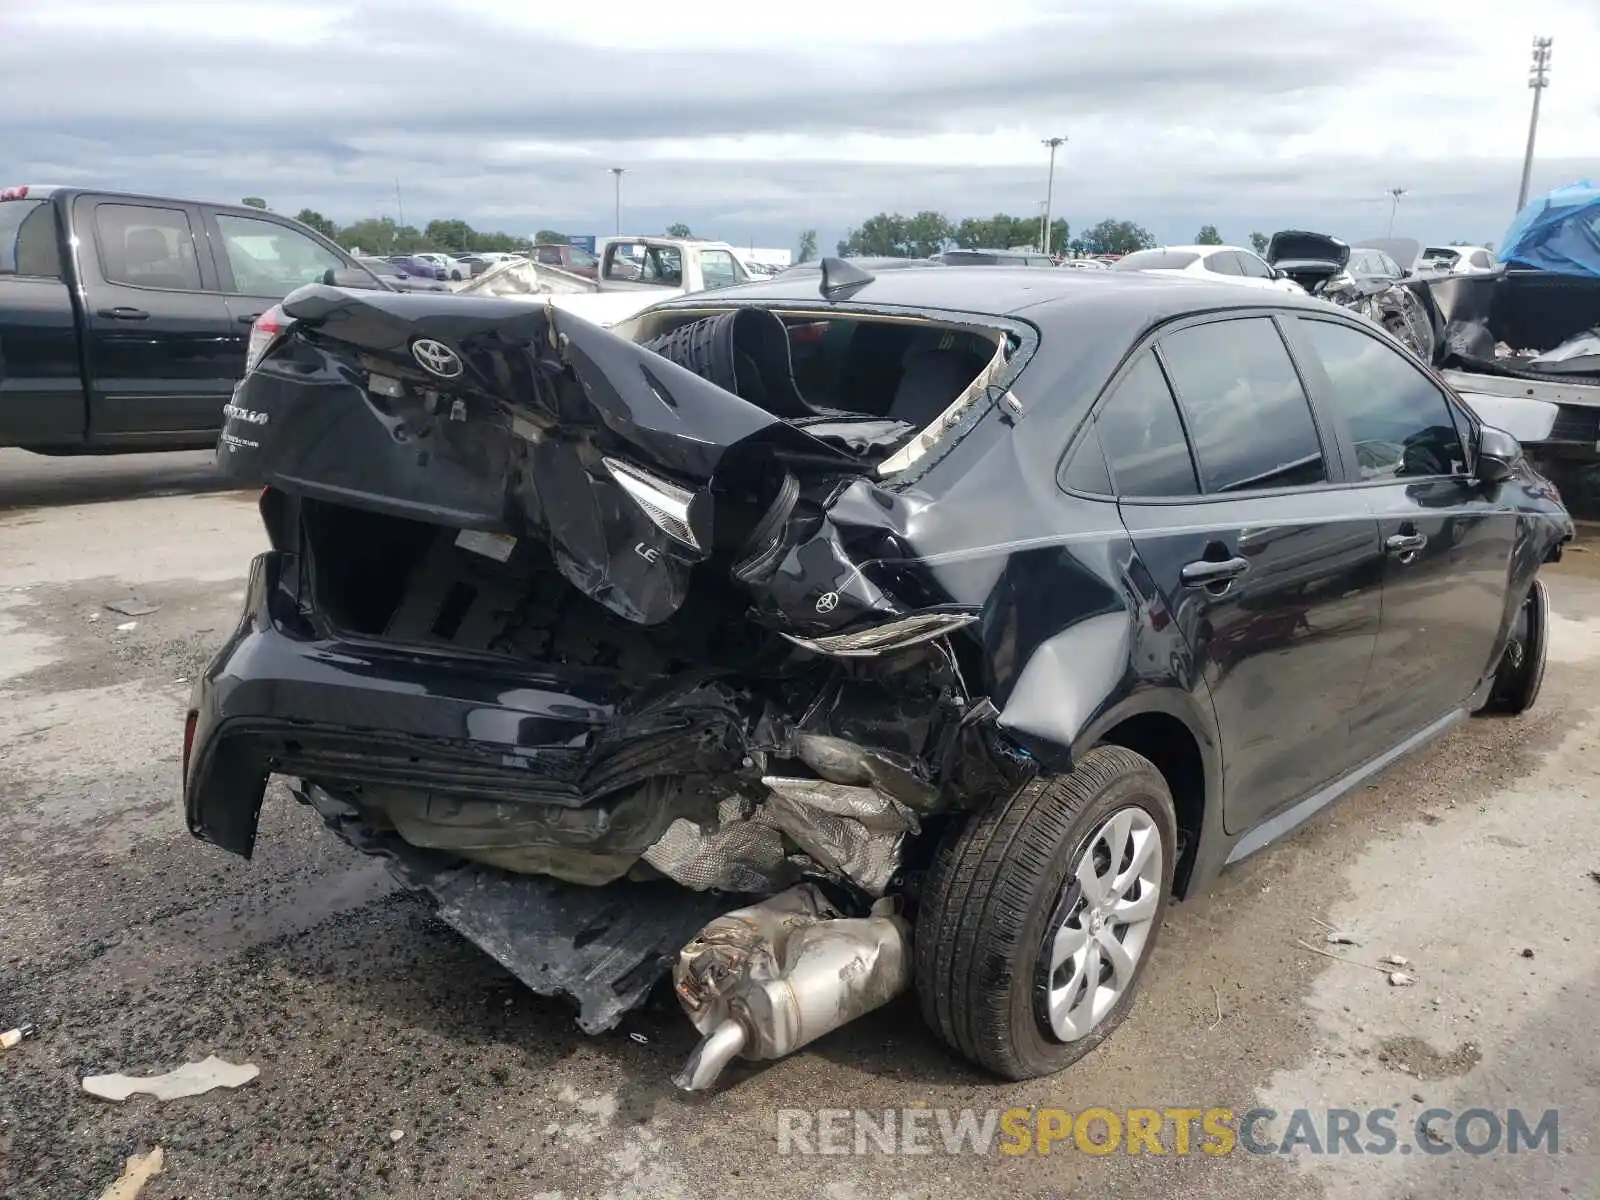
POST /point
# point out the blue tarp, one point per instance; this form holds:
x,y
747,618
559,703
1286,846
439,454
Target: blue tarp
x,y
1560,233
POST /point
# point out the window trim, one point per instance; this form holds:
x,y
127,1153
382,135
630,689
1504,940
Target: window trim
x,y
1467,423
226,283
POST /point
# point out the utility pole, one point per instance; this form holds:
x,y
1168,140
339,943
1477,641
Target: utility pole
x,y
399,203
1049,192
1538,80
617,173
1396,193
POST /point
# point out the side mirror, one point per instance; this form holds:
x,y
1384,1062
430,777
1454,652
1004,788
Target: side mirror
x,y
1279,273
351,277
1498,453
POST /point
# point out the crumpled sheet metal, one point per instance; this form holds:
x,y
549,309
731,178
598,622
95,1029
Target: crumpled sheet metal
x,y
851,831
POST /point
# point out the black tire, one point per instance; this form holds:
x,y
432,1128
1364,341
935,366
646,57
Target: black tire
x,y
998,884
1520,675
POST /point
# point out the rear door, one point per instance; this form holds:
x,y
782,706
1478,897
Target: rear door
x,y
41,387
260,260
1235,500
158,346
1447,540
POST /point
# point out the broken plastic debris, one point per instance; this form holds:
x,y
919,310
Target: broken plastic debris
x,y
130,607
136,1172
640,1038
1340,939
127,627
395,1135
1395,960
1400,979
11,1037
191,1079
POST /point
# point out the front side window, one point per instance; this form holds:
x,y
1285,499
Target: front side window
x,y
1247,413
144,246
28,244
269,259
717,268
1252,267
1399,420
1142,436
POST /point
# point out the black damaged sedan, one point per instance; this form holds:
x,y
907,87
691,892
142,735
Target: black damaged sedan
x,y
825,637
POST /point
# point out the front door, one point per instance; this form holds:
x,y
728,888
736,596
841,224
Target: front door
x,y
158,342
1447,540
1272,567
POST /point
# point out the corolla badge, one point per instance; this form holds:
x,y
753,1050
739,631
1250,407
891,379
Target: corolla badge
x,y
436,358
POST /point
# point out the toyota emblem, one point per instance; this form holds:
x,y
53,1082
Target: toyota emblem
x,y
436,358
827,602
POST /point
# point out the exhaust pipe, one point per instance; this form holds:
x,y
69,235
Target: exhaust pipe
x,y
761,982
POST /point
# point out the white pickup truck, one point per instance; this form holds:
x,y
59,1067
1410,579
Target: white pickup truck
x,y
633,273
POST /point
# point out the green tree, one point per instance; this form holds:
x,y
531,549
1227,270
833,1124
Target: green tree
x,y
808,245
678,230
1260,241
927,233
453,236
311,218
883,234
371,235
1208,236
1060,231
1117,237
253,202
549,237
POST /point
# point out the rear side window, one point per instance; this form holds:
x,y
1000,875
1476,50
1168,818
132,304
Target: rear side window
x,y
1247,413
1400,422
144,246
1142,436
1224,262
28,244
1155,260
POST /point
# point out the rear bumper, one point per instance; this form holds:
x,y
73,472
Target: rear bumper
x,y
278,698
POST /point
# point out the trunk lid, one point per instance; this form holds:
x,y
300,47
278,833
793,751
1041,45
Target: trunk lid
x,y
524,421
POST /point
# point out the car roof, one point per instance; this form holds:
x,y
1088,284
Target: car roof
x,y
1007,291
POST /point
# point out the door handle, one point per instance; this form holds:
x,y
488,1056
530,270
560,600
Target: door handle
x,y
123,313
1405,545
249,318
1207,573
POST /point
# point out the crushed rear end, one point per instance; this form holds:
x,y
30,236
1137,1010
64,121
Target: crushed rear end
x,y
593,646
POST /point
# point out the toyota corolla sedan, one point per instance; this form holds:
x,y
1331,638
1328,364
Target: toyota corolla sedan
x,y
836,635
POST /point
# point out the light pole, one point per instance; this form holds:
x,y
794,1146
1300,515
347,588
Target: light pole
x,y
1538,80
1394,207
617,174
1049,192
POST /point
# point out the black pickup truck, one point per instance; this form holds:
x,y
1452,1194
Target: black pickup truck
x,y
124,319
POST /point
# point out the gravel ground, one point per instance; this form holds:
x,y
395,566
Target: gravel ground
x,y
136,948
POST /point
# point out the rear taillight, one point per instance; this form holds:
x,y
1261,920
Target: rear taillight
x,y
268,328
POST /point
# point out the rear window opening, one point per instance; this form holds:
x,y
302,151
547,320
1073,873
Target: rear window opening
x,y
883,388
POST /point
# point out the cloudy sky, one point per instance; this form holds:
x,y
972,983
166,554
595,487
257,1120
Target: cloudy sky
x,y
753,121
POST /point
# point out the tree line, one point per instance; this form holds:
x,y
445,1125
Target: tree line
x,y
887,235
894,235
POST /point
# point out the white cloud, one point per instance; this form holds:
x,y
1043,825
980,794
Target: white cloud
x,y
755,121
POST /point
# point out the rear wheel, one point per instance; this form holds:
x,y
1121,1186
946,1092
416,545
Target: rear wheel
x,y
1520,675
1040,914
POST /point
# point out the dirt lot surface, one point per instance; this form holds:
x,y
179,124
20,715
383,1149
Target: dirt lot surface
x,y
398,1061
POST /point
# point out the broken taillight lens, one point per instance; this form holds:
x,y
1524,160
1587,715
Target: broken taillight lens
x,y
267,329
881,639
666,504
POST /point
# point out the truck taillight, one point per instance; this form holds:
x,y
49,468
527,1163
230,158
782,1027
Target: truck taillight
x,y
268,328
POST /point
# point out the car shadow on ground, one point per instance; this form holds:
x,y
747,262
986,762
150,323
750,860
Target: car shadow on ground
x,y
41,481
